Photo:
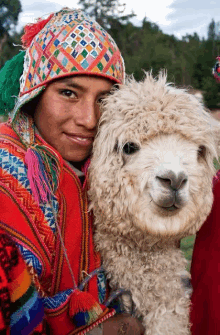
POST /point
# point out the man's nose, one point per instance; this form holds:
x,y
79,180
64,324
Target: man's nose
x,y
89,115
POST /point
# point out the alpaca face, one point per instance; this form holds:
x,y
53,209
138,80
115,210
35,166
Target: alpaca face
x,y
152,165
167,185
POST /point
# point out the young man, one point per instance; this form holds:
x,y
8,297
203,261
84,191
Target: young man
x,y
69,65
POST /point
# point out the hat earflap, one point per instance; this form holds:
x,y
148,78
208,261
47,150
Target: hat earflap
x,y
9,83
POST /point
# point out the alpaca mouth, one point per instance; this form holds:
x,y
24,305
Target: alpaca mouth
x,y
169,209
172,208
171,203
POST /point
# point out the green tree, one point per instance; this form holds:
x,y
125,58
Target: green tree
x,y
105,12
9,11
10,48
211,92
148,48
202,74
211,30
189,48
212,35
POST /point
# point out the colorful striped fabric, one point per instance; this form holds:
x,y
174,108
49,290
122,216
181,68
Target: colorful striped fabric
x,y
21,308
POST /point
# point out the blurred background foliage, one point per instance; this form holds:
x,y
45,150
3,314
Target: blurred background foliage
x,y
9,12
189,60
186,246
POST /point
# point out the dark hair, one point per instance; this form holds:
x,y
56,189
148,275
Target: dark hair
x,y
30,106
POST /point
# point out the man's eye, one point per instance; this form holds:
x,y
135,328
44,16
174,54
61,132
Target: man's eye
x,y
68,93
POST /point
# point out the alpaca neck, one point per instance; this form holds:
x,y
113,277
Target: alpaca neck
x,y
137,240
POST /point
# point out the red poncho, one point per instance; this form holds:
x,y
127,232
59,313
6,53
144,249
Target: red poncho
x,y
205,270
33,229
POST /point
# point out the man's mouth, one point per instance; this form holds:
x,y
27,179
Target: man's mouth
x,y
80,139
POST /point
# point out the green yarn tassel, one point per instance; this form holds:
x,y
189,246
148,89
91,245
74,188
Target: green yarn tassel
x,y
9,82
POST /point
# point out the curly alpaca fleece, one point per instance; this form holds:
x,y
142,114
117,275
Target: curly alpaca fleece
x,y
151,184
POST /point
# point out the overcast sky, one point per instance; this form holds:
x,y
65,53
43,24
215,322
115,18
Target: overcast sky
x,y
178,17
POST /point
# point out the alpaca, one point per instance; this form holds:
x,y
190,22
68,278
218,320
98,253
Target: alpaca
x,y
151,185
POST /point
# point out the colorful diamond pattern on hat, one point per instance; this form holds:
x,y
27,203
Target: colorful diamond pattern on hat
x,y
70,43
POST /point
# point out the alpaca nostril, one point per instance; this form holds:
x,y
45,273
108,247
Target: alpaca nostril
x,y
172,181
166,182
183,183
180,181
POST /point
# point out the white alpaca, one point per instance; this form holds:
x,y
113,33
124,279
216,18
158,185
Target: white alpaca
x,y
151,185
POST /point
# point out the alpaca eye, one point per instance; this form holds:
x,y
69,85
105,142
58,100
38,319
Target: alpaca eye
x,y
202,151
130,147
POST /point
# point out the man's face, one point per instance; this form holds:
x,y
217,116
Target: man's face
x,y
68,112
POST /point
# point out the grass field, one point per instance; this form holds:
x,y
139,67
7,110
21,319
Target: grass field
x,y
186,246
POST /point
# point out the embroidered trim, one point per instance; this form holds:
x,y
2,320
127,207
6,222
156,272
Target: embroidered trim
x,y
95,324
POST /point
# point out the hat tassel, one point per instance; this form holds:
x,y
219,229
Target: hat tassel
x,y
83,308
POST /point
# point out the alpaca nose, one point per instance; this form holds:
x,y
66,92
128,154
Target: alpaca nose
x,y
171,180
